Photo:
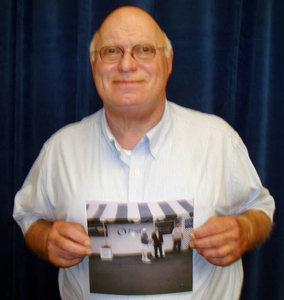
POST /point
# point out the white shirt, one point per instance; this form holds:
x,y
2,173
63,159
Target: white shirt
x,y
177,233
186,155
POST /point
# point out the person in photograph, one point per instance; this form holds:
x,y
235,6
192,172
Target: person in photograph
x,y
177,236
145,246
158,241
142,147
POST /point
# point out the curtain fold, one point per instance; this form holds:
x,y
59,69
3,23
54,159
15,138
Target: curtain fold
x,y
229,60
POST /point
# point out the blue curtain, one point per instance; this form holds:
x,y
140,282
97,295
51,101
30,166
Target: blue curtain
x,y
229,60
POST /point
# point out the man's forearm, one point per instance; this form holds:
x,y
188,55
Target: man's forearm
x,y
256,227
36,238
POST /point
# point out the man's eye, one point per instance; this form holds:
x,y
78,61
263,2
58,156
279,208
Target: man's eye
x,y
111,51
143,49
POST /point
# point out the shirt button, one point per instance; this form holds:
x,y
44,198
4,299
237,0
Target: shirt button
x,y
136,171
154,151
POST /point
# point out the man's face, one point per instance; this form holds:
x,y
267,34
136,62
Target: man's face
x,y
129,83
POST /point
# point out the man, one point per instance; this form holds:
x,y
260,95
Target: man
x,y
177,236
140,147
144,244
158,241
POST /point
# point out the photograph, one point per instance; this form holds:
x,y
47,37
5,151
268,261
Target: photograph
x,y
144,249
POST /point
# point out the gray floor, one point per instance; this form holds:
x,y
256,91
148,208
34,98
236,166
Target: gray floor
x,y
129,276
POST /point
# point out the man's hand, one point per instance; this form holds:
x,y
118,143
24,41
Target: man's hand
x,y
61,243
224,240
219,240
67,244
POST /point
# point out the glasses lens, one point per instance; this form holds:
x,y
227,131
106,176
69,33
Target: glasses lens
x,y
144,52
110,54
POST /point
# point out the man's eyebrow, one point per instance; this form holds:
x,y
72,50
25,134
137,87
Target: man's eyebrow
x,y
143,42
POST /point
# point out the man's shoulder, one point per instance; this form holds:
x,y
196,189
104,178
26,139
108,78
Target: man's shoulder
x,y
77,130
193,119
82,125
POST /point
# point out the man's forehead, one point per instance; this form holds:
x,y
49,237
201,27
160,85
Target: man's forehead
x,y
122,30
123,25
123,33
130,34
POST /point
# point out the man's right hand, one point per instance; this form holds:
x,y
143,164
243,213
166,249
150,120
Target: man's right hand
x,y
62,243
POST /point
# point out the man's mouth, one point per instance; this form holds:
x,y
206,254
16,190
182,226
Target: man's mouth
x,y
123,81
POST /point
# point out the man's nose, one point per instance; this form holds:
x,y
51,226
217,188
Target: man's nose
x,y
127,62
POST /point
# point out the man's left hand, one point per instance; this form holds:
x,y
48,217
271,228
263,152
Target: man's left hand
x,y
221,240
224,240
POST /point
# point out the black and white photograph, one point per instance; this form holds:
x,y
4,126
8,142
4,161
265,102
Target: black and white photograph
x,y
144,249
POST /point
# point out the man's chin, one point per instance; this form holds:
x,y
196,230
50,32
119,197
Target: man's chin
x,y
129,100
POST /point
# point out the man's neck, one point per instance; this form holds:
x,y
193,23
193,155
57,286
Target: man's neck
x,y
130,127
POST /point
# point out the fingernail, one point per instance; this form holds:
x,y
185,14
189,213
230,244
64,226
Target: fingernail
x,y
191,244
87,243
191,235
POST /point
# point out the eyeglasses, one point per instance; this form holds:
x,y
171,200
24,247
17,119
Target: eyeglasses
x,y
113,54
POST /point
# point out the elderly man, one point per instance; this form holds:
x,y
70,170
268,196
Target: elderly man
x,y
177,236
140,147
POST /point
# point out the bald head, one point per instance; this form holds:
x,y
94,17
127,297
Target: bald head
x,y
129,21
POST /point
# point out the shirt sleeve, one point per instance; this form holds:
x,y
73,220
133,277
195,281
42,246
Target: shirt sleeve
x,y
248,190
31,203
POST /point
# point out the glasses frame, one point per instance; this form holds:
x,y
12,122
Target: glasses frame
x,y
132,53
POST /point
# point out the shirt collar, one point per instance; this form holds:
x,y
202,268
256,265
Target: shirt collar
x,y
111,138
155,136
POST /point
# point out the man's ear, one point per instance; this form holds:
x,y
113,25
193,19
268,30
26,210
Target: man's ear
x,y
170,62
92,58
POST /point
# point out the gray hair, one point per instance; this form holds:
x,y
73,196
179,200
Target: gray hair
x,y
168,45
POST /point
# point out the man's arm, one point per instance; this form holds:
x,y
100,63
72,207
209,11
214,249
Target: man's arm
x,y
224,240
61,243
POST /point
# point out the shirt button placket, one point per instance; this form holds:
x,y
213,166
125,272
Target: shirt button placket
x,y
135,176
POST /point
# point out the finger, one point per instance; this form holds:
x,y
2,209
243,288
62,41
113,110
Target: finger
x,y
213,226
69,263
217,240
64,259
220,252
64,254
70,246
68,237
223,262
72,231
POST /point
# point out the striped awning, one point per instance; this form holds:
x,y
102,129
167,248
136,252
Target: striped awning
x,y
138,212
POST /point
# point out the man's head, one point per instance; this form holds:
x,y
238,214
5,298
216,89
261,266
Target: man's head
x,y
129,83
177,225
